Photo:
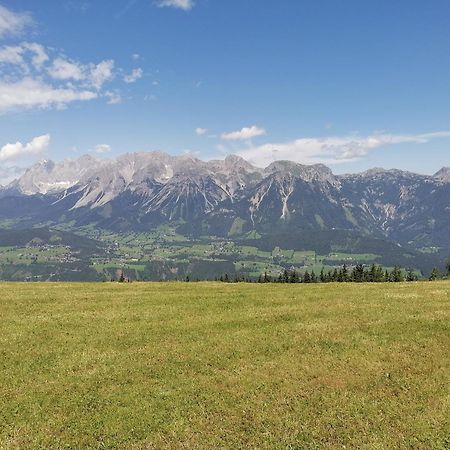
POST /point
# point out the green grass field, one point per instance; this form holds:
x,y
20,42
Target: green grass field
x,y
225,366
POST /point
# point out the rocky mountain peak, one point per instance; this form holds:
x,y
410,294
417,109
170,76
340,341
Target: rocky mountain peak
x,y
443,175
47,176
44,164
379,172
235,162
318,173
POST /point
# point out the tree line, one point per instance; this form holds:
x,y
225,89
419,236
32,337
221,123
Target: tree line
x,y
357,274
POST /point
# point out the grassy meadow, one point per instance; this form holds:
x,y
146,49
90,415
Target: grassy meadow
x,y
224,366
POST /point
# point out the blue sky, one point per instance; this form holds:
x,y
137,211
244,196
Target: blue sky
x,y
353,84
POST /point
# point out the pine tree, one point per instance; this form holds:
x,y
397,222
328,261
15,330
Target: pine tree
x,y
435,274
358,273
322,276
294,277
306,277
344,273
379,275
313,277
372,273
396,275
334,276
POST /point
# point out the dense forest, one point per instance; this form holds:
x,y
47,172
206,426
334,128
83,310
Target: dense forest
x,y
357,274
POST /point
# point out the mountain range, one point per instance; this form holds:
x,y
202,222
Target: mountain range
x,y
230,197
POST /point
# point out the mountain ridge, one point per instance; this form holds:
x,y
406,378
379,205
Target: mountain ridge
x,y
85,164
139,191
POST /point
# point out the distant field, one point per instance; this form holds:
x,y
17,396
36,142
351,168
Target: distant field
x,y
224,366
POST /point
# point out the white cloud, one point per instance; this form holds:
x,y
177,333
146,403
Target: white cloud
x,y
330,150
11,55
15,55
244,134
135,75
10,173
12,152
12,23
114,98
102,148
30,93
94,75
62,69
40,55
30,78
101,73
33,76
186,5
200,131
135,56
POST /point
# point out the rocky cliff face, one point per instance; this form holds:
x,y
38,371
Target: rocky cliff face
x,y
141,190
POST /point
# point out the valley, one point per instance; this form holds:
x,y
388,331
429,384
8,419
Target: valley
x,y
99,255
160,217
